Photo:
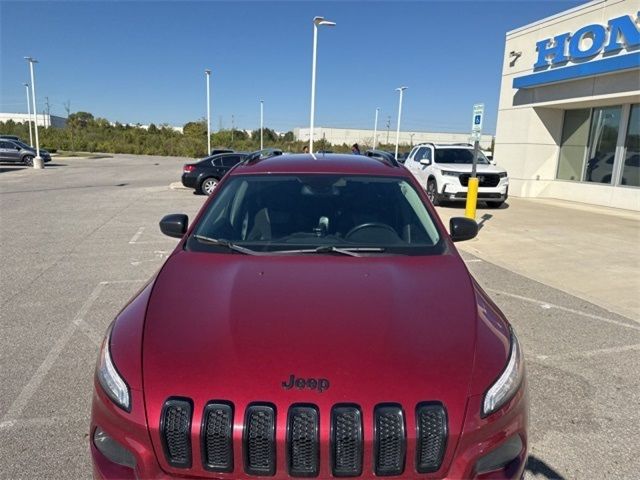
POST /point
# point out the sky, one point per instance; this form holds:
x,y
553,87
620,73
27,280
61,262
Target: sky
x,y
143,62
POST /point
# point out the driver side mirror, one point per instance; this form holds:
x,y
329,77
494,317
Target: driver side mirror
x,y
174,225
462,228
425,161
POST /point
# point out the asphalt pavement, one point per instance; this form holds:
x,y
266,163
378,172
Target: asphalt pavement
x,y
80,237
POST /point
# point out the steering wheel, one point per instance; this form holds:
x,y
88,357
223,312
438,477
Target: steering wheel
x,y
364,226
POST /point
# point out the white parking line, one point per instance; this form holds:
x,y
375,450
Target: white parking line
x,y
136,236
33,422
32,386
547,305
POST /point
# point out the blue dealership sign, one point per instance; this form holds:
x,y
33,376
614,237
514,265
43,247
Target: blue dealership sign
x,y
621,34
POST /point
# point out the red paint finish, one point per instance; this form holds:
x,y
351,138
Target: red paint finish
x,y
380,329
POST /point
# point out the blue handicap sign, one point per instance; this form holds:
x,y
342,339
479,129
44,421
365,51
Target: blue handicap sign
x,y
476,120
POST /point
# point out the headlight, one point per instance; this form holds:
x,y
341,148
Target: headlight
x,y
502,175
507,383
450,173
110,380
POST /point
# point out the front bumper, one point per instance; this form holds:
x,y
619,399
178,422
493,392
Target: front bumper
x,y
480,437
453,190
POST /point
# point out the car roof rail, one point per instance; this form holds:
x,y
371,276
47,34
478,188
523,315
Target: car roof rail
x,y
383,156
258,155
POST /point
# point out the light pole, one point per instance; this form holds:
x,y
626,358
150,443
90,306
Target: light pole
x,y
317,21
375,129
37,162
208,74
261,124
26,87
401,90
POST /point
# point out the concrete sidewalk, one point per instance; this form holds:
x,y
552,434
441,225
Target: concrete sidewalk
x,y
590,252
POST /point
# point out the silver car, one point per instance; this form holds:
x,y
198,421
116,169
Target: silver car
x,y
15,151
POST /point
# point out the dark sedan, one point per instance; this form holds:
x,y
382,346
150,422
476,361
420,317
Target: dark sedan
x,y
204,175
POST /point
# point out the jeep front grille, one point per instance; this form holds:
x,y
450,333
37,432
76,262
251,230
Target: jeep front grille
x,y
217,437
346,441
175,430
260,440
431,425
390,441
302,438
303,441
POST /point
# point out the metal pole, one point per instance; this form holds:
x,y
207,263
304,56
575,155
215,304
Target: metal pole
x,y
401,90
375,129
476,149
261,124
208,74
26,87
37,162
313,86
472,186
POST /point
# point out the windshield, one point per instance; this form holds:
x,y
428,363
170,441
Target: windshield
x,y
19,143
270,213
458,155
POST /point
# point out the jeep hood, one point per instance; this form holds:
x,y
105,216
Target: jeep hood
x,y
379,329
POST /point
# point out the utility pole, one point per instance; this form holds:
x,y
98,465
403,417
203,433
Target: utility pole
x,y
219,122
388,127
233,127
26,86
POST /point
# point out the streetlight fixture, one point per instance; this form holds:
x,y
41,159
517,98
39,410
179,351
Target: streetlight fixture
x,y
317,21
261,124
37,162
26,87
207,72
375,129
401,90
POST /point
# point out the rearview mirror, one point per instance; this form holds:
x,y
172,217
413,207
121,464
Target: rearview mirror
x,y
462,228
174,225
425,161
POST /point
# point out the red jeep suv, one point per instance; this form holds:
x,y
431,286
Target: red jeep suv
x,y
315,320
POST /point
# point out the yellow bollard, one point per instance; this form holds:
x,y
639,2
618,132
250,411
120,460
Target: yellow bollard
x,y
472,198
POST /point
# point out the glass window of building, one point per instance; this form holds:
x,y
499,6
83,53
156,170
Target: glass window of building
x,y
575,134
605,123
631,167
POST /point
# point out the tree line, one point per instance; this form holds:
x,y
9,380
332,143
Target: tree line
x,y
85,133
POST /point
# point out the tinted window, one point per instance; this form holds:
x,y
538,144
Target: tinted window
x,y
277,212
7,145
458,155
230,160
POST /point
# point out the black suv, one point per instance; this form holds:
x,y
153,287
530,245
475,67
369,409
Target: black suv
x,y
204,175
15,151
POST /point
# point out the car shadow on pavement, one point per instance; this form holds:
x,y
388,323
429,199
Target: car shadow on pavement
x,y
48,165
480,206
537,467
11,169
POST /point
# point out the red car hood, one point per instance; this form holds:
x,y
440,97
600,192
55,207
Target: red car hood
x,y
385,329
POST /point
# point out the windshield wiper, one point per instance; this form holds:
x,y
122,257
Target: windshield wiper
x,y
226,244
352,252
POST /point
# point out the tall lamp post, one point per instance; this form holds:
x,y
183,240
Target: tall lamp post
x,y
317,21
261,124
26,87
375,129
208,74
401,90
37,162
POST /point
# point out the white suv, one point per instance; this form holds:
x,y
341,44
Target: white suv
x,y
444,171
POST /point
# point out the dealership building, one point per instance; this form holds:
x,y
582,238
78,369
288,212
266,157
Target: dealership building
x,y
569,110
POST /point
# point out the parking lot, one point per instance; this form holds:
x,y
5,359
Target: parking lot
x,y
81,237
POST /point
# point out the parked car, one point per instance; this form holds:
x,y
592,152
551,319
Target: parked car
x,y
14,151
204,175
315,320
444,171
382,155
402,156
